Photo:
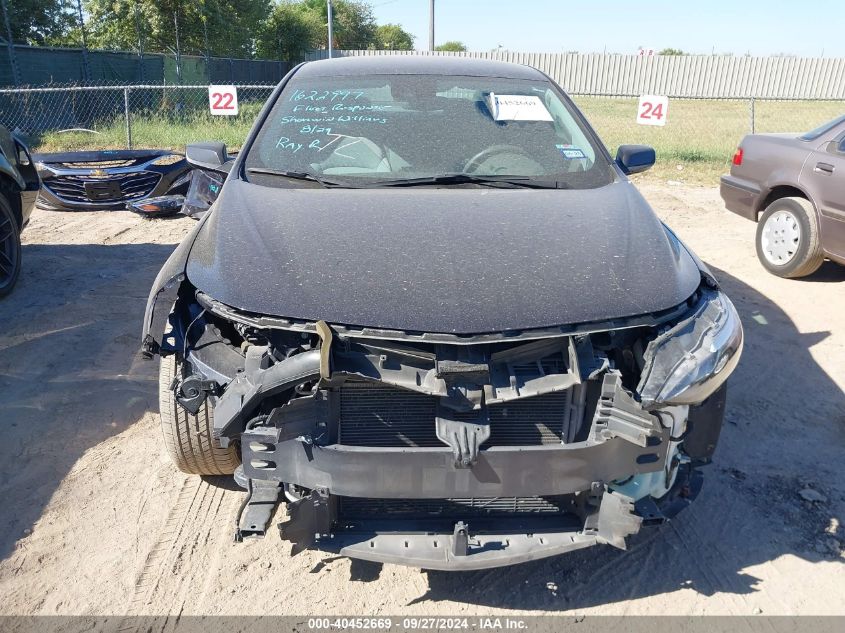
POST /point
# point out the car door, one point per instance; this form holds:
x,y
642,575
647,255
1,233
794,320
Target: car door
x,y
823,177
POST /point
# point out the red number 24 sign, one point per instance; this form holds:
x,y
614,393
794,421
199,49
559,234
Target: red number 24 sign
x,y
652,110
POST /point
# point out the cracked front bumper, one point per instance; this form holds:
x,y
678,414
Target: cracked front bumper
x,y
604,517
425,473
416,506
507,545
568,505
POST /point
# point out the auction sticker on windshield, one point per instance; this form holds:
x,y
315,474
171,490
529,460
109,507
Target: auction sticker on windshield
x,y
570,152
223,100
517,108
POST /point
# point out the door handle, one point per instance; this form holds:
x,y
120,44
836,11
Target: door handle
x,y
824,168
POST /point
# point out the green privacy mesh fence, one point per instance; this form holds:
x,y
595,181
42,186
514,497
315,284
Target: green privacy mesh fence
x,y
39,66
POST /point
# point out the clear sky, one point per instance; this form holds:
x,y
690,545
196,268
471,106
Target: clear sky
x,y
797,27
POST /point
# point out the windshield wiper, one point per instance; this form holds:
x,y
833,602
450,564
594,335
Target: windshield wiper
x,y
297,175
461,179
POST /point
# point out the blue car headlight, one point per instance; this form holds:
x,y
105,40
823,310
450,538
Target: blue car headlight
x,y
690,361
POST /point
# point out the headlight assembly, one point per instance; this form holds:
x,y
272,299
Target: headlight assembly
x,y
693,359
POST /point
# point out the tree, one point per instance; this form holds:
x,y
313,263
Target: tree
x,y
354,23
671,51
452,46
38,22
294,27
291,29
219,27
275,29
393,37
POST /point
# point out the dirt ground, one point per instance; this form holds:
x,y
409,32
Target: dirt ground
x,y
95,520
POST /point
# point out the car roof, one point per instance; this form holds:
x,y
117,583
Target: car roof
x,y
416,65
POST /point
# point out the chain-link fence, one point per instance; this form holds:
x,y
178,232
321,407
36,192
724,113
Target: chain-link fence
x,y
112,117
700,135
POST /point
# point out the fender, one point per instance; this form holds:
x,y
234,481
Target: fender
x,y
769,187
8,157
708,277
171,276
164,292
7,169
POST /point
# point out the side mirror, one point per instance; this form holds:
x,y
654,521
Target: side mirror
x,y
209,155
634,159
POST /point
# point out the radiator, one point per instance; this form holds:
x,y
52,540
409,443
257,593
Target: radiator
x,y
373,414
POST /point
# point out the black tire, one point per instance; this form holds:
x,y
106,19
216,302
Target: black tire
x,y
10,248
807,255
188,438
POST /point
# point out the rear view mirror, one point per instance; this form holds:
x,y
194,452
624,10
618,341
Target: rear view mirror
x,y
210,155
634,159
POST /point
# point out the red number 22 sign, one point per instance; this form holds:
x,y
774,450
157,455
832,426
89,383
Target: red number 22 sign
x,y
223,100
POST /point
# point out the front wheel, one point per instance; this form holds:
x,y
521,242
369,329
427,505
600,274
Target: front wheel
x,y
188,438
788,243
10,248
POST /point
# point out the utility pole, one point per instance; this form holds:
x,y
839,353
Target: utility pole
x,y
178,48
205,37
431,28
140,33
12,61
331,28
85,68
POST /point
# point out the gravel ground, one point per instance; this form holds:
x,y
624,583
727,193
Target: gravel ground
x,y
95,520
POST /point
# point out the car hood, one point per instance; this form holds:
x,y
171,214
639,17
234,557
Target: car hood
x,y
448,260
99,155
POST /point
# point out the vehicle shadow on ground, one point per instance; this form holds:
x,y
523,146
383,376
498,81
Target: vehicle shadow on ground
x,y
828,272
749,512
70,376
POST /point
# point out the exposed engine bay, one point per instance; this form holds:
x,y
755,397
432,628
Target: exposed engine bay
x,y
459,452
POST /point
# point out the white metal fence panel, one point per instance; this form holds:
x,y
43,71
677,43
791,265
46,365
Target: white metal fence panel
x,y
693,76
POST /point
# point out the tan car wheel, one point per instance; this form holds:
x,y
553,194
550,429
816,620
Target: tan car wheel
x,y
788,242
188,438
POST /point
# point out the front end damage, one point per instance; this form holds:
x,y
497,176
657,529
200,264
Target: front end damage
x,y
458,452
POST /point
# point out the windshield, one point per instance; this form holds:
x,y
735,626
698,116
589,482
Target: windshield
x,y
822,129
383,129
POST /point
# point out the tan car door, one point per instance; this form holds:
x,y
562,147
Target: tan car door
x,y
823,177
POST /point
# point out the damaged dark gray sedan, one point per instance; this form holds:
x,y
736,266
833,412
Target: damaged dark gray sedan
x,y
431,313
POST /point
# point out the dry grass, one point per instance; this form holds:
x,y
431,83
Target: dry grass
x,y
159,130
148,132
700,137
